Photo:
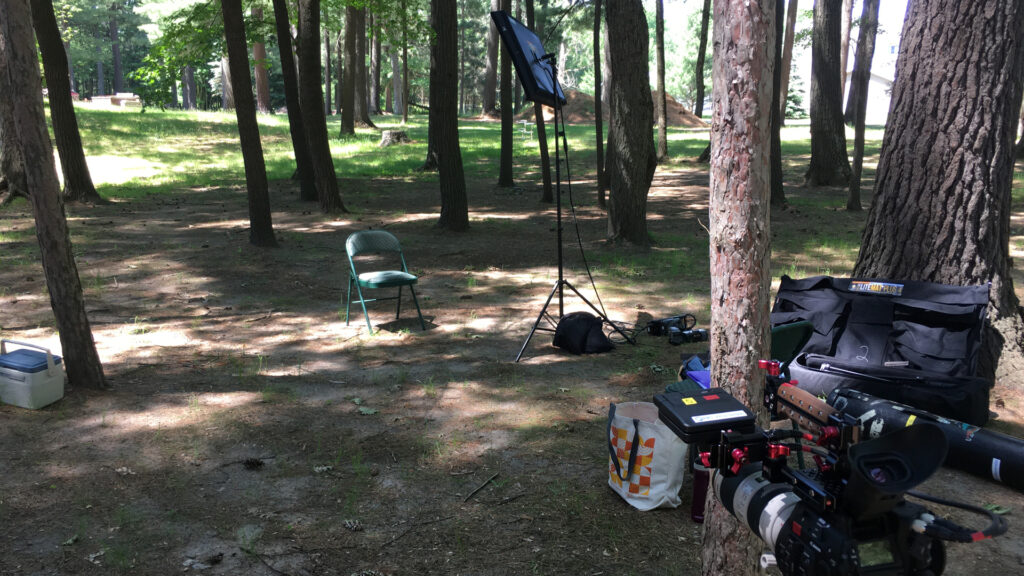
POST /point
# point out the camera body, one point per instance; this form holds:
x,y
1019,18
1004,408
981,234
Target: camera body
x,y
679,329
844,516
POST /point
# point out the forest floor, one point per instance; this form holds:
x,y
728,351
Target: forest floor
x,y
249,430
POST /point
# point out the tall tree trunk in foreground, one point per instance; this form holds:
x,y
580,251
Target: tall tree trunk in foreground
x,y
348,81
661,106
698,74
444,84
633,164
787,55
507,134
21,112
844,43
491,69
261,76
311,101
78,186
778,194
300,145
740,237
261,231
115,50
829,164
861,81
538,120
941,210
602,179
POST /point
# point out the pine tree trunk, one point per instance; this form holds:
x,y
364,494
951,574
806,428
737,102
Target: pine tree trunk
x,y
327,72
396,84
21,112
844,43
188,85
661,106
778,193
375,54
300,144
405,64
312,105
787,54
362,112
260,72
261,230
78,186
348,82
861,82
227,92
115,50
547,195
100,88
744,37
632,166
507,134
491,69
339,43
463,56
829,164
698,74
606,98
598,108
67,56
941,210
444,115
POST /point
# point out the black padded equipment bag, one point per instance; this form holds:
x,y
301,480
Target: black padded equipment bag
x,y
581,333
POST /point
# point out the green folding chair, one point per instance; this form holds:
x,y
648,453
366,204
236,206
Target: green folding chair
x,y
788,340
378,242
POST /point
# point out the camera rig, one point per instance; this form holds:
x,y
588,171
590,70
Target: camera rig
x,y
847,514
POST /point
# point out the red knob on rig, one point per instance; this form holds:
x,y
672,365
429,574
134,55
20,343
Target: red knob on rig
x,y
739,458
705,459
773,367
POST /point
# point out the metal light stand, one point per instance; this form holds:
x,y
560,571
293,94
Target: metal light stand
x,y
561,283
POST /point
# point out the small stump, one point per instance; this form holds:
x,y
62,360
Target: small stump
x,y
389,137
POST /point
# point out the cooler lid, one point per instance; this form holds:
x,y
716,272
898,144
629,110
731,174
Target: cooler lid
x,y
24,360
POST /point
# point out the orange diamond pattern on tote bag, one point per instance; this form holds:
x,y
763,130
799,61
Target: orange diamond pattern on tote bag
x,y
640,481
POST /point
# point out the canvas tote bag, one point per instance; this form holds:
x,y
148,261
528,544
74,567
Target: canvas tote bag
x,y
646,459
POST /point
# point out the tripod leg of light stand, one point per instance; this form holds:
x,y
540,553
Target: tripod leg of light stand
x,y
599,313
543,311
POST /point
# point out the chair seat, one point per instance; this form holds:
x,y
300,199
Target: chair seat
x,y
386,279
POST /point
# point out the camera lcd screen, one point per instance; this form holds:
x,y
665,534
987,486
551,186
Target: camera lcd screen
x,y
875,553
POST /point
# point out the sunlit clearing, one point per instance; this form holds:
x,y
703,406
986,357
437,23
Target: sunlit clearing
x,y
121,169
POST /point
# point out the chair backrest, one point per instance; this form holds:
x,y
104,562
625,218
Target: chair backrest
x,y
371,242
788,340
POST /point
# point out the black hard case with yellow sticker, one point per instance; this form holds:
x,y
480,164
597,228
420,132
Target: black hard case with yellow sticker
x,y
698,417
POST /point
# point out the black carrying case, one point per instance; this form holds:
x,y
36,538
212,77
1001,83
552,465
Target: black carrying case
x,y
911,342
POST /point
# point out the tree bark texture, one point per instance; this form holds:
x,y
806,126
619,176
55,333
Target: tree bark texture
x,y
312,104
829,164
261,75
115,50
941,210
609,147
300,144
633,161
100,88
844,42
261,230
744,47
787,55
188,81
698,74
78,186
348,81
778,194
21,112
405,63
227,93
362,100
861,81
598,107
396,84
327,71
507,114
661,106
547,195
491,69
375,55
444,114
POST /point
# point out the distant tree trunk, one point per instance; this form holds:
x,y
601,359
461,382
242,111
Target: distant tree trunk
x,y
338,70
227,93
602,179
21,111
189,81
100,88
787,55
491,69
261,231
348,81
1019,148
844,43
396,84
115,50
327,71
312,106
861,82
444,115
829,164
507,135
705,15
260,70
778,193
632,120
941,209
375,54
361,111
405,63
609,147
78,186
740,236
463,56
174,93
300,144
538,119
661,106
67,56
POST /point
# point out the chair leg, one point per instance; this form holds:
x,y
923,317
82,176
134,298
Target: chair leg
x,y
362,300
348,299
398,307
417,302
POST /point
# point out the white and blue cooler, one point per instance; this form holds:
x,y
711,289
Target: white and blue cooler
x,y
30,378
